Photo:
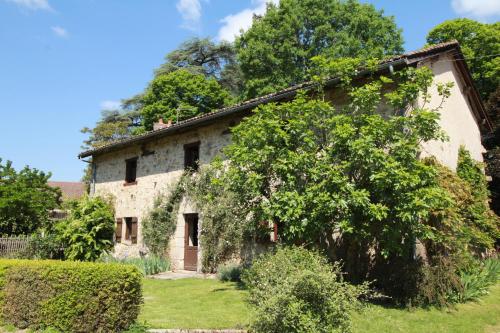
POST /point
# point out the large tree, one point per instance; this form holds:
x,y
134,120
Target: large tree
x,y
480,43
204,56
179,95
313,169
113,125
276,51
25,200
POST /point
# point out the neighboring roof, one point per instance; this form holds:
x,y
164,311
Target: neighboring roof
x,y
70,190
394,62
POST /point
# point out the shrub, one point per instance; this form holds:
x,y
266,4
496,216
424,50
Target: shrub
x,y
296,290
478,279
44,247
88,231
415,283
229,272
436,283
69,296
148,265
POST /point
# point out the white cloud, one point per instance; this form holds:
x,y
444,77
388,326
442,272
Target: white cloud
x,y
60,32
33,4
111,105
190,11
233,24
477,8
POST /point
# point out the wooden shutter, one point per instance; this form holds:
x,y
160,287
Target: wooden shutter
x,y
133,235
118,230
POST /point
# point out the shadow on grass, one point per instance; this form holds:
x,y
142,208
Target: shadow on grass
x,y
237,284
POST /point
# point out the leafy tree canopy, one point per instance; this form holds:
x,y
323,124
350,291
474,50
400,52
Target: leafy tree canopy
x,y
25,200
276,51
180,95
480,43
203,56
114,125
313,169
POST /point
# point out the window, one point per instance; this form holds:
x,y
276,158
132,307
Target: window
x,y
191,156
131,229
131,171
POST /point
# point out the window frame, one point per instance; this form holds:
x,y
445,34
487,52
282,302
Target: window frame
x,y
128,178
189,164
128,229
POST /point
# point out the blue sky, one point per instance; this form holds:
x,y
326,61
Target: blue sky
x,y
62,61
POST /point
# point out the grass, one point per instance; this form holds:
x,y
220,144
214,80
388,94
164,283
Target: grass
x,y
193,303
473,317
211,304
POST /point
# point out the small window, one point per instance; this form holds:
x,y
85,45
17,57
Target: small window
x,y
191,156
131,171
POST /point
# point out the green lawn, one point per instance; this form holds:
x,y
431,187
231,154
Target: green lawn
x,y
193,303
481,317
198,303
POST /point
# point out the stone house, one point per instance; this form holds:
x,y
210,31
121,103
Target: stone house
x,y
135,170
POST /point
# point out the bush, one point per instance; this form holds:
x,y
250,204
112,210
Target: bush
x,y
88,231
229,272
69,296
148,265
296,290
44,247
478,279
436,283
415,283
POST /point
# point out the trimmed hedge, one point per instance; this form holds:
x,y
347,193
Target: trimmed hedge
x,y
69,296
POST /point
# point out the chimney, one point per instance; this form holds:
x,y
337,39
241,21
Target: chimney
x,y
160,124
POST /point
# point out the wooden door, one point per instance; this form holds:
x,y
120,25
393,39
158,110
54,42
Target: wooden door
x,y
190,242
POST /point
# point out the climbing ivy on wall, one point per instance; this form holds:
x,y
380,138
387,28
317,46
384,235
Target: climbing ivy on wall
x,y
221,229
485,221
160,224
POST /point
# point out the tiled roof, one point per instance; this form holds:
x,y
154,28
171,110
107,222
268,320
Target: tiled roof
x,y
70,190
404,60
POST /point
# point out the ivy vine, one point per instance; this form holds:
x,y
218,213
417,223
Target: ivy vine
x,y
221,230
160,224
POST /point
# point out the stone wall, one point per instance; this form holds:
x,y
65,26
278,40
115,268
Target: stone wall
x,y
160,164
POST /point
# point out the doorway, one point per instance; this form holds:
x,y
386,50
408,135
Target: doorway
x,y
191,242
